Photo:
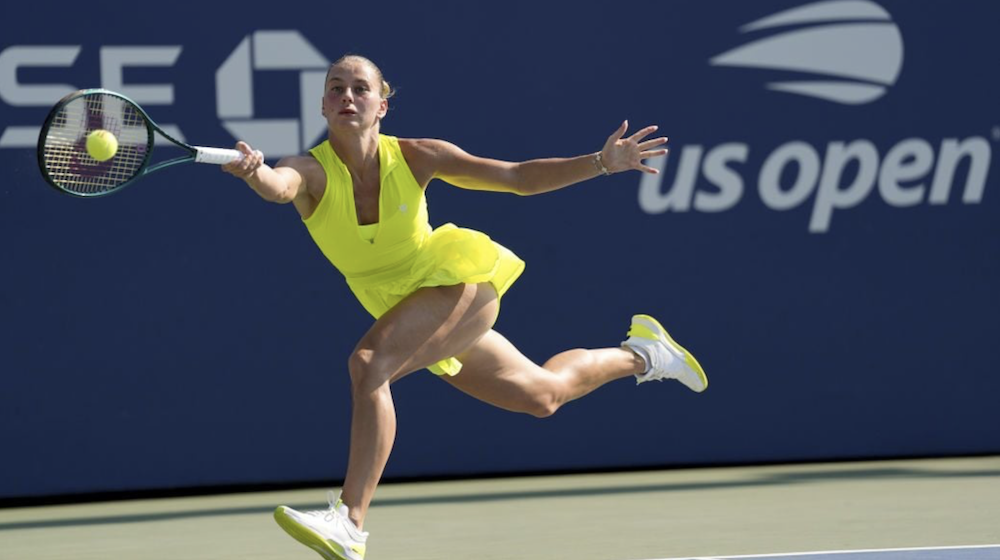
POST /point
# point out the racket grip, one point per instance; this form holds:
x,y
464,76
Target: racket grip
x,y
216,156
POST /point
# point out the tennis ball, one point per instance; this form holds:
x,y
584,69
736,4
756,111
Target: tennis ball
x,y
102,145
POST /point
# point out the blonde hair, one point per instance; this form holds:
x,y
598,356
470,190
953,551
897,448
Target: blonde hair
x,y
385,91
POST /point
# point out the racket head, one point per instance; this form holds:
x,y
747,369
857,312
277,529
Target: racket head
x,y
62,144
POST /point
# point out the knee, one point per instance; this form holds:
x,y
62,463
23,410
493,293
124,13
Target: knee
x,y
366,375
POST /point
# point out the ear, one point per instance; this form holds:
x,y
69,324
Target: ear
x,y
383,108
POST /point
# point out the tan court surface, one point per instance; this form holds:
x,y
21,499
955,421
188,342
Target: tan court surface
x,y
630,516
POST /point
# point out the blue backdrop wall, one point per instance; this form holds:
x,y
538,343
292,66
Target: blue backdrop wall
x,y
824,236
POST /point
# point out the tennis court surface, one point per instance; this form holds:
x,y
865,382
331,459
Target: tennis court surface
x,y
987,552
946,509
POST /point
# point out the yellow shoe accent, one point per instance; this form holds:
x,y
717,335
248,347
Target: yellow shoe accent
x,y
661,334
642,331
328,549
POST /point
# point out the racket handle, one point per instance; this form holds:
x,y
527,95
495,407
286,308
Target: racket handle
x,y
216,156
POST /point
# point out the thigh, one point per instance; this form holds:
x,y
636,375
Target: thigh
x,y
428,326
496,372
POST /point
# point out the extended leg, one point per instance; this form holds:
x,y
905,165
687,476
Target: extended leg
x,y
496,372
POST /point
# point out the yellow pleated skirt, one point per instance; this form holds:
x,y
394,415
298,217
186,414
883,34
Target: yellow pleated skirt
x,y
450,256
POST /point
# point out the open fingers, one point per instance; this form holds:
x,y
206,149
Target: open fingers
x,y
621,153
642,133
646,155
617,135
653,143
653,153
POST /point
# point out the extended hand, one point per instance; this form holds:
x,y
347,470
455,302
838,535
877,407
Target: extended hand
x,y
622,154
244,168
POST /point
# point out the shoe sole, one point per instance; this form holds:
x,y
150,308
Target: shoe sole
x,y
308,537
689,358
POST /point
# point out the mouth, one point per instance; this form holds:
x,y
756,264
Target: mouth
x,y
348,112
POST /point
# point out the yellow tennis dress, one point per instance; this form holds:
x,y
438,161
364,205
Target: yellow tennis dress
x,y
385,262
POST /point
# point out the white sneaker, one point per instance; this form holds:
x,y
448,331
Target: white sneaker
x,y
665,359
327,531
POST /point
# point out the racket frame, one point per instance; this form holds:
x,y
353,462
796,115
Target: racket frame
x,y
144,169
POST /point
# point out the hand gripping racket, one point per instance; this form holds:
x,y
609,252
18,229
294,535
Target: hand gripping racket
x,y
67,165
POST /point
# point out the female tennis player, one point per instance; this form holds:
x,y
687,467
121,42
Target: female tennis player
x,y
434,293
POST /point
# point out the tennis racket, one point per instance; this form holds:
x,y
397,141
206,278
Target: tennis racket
x,y
68,166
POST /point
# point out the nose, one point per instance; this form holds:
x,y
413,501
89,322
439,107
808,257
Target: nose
x,y
348,97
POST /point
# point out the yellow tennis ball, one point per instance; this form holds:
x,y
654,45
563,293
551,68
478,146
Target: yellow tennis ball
x,y
102,145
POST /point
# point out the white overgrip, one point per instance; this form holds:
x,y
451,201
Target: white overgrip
x,y
216,156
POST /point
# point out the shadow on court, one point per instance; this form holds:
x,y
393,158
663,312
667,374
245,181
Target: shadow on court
x,y
758,480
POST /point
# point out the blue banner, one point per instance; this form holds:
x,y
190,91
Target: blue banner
x,y
824,236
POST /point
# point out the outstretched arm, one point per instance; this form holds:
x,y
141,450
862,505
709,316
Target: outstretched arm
x,y
281,184
453,165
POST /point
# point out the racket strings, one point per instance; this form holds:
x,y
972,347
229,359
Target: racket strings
x,y
65,155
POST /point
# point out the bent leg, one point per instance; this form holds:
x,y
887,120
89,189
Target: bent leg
x,y
495,371
428,326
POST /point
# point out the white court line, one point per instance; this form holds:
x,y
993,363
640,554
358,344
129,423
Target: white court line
x,y
820,552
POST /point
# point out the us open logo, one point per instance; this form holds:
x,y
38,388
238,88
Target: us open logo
x,y
852,46
855,53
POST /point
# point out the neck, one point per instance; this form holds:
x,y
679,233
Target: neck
x,y
359,152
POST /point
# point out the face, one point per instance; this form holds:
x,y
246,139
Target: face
x,y
353,97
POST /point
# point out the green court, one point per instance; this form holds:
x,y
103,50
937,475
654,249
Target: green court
x,y
686,513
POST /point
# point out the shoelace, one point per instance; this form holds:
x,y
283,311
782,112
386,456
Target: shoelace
x,y
330,513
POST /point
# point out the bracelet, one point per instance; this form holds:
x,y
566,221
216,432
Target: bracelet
x,y
599,163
